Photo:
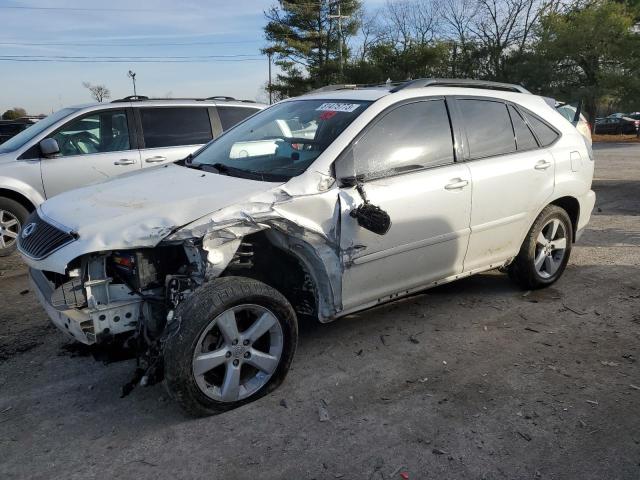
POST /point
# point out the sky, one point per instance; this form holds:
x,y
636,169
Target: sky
x,y
228,33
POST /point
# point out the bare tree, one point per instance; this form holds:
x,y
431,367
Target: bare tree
x,y
407,23
99,93
502,27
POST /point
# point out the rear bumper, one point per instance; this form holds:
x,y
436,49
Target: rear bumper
x,y
587,202
74,323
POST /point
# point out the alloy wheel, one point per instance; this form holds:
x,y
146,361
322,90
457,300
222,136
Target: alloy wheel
x,y
551,245
9,229
237,353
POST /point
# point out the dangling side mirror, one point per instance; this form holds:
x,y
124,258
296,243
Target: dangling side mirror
x,y
372,217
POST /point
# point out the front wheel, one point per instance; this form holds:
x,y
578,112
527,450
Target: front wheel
x,y
234,344
545,251
12,217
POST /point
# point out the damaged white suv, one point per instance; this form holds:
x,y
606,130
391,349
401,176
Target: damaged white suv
x,y
316,207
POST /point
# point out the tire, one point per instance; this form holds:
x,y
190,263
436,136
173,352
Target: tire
x,y
540,264
12,217
225,302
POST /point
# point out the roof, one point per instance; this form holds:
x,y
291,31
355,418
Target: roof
x,y
453,85
167,102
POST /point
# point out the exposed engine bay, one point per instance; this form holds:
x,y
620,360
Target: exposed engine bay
x,y
127,298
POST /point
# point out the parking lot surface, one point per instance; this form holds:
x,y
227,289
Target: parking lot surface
x,y
471,380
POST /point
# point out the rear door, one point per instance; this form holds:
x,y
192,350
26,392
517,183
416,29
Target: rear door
x,y
95,146
512,174
407,162
170,133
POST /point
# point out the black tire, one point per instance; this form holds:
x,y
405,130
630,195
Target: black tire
x,y
20,213
522,270
196,313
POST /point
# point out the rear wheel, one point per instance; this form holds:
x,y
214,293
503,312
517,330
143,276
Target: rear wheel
x,y
545,251
235,344
12,217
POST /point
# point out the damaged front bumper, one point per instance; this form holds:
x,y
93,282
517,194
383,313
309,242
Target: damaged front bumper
x,y
86,325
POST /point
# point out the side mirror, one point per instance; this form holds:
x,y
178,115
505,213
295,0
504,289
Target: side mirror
x,y
372,218
49,148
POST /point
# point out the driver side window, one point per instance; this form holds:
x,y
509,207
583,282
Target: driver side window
x,y
410,137
100,132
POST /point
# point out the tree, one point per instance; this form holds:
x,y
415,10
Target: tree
x,y
592,52
98,92
15,112
308,39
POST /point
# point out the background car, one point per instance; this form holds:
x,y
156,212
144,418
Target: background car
x,y
615,126
76,146
569,112
10,128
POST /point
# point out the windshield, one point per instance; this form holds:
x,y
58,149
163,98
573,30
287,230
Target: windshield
x,y
24,136
281,141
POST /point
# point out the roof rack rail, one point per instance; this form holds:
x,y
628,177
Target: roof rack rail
x,y
131,98
140,98
355,86
460,82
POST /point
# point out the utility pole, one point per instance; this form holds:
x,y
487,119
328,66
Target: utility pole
x,y
339,17
132,75
269,87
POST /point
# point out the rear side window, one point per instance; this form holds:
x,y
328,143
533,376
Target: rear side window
x,y
174,126
544,132
488,126
229,116
524,138
409,137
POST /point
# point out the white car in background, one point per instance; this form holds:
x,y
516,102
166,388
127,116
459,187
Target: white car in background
x,y
79,145
569,112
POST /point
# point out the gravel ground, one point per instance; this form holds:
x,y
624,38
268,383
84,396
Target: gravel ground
x,y
472,380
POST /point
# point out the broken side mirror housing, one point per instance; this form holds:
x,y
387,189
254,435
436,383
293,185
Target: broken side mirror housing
x,y
372,218
49,148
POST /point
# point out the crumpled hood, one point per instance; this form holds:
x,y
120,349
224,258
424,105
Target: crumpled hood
x,y
140,209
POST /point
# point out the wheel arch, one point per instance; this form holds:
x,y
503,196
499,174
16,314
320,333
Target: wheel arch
x,y
18,197
572,207
294,268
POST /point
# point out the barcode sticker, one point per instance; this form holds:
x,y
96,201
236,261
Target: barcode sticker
x,y
338,107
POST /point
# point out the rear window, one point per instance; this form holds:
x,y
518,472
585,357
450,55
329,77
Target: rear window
x,y
488,127
229,116
175,126
544,132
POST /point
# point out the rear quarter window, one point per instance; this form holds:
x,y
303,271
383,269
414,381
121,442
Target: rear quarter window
x,y
546,135
229,116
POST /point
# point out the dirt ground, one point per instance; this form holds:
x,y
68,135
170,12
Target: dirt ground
x,y
472,380
616,138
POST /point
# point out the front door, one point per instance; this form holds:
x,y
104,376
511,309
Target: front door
x,y
406,161
92,147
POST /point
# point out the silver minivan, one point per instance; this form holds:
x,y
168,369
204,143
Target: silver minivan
x,y
79,145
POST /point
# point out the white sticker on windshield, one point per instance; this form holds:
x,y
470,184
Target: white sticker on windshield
x,y
338,107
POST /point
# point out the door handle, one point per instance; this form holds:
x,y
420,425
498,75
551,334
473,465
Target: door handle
x,y
456,184
156,159
542,165
124,161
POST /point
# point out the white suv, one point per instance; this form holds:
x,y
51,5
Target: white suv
x,y
316,207
79,145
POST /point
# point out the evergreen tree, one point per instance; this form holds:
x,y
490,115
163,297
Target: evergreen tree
x,y
307,40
